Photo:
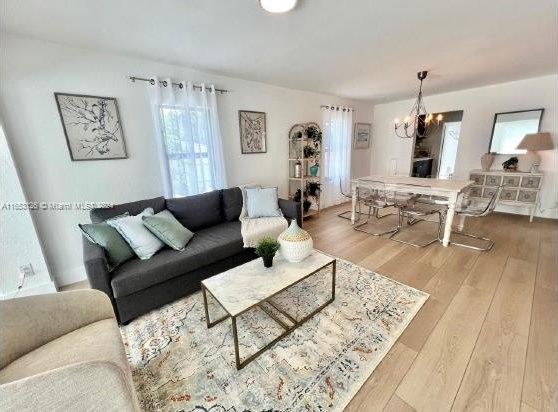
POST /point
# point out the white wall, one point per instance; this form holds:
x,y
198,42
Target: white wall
x,y
479,106
20,244
31,71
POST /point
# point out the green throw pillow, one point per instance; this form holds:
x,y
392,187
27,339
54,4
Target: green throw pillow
x,y
104,235
171,232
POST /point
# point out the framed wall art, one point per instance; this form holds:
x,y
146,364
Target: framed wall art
x,y
362,135
92,126
252,132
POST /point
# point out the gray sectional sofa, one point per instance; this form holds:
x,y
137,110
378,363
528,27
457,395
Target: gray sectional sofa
x,y
138,286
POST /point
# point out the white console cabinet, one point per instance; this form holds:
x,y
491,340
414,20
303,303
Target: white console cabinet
x,y
521,188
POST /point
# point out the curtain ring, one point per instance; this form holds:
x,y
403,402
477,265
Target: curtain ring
x,y
152,82
165,83
181,85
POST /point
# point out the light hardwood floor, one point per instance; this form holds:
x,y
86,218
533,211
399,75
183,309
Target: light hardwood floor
x,y
487,339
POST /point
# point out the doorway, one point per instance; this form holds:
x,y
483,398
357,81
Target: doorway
x,y
434,155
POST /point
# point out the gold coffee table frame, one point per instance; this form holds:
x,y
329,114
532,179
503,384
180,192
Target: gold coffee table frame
x,y
288,328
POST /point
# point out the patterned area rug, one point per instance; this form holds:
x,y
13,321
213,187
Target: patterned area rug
x,y
180,365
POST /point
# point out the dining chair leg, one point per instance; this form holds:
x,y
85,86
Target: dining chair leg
x,y
359,228
401,218
489,246
347,213
490,242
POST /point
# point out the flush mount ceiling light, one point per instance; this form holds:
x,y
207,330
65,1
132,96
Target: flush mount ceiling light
x,y
278,6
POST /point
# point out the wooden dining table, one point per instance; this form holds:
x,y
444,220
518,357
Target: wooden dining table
x,y
447,189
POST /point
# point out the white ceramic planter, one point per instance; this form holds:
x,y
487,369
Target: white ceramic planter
x,y
295,244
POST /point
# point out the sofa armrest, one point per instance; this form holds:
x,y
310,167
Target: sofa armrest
x,y
96,267
29,322
291,210
80,387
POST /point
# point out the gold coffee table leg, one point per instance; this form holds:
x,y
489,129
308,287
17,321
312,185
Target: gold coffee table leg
x,y
241,364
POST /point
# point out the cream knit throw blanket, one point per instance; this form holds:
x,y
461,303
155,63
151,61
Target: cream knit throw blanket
x,y
255,229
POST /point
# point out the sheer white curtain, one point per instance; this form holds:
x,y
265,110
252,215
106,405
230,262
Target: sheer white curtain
x,y
188,137
336,153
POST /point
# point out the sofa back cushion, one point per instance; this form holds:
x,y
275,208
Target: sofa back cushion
x,y
133,208
262,202
232,203
198,211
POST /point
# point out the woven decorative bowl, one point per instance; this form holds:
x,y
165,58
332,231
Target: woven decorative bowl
x,y
296,244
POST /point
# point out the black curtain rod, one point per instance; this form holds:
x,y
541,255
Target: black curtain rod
x,y
164,83
345,109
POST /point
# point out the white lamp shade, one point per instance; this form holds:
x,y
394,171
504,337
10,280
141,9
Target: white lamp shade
x,y
536,141
278,6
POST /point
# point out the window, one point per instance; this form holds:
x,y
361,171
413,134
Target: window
x,y
189,160
188,138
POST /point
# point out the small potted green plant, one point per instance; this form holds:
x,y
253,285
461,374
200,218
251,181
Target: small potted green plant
x,y
266,249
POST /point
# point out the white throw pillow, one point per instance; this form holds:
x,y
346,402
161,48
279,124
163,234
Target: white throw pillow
x,y
144,243
262,202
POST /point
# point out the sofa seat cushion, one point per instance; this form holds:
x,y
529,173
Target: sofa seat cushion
x,y
98,341
208,245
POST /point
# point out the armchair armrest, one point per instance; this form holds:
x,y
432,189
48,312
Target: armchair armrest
x,y
29,322
291,210
83,386
96,267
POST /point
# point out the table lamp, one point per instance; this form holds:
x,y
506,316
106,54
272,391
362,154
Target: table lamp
x,y
534,142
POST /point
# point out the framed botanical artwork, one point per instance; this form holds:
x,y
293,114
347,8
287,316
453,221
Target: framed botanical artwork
x,y
362,135
92,126
252,132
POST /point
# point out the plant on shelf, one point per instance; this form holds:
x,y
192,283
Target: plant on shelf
x,y
309,152
266,249
297,135
297,197
295,138
306,205
313,188
314,134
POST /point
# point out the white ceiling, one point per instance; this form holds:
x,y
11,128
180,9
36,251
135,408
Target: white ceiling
x,y
363,49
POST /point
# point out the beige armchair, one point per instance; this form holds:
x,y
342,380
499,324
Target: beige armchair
x,y
63,352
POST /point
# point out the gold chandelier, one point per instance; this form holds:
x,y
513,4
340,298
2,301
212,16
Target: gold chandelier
x,y
419,122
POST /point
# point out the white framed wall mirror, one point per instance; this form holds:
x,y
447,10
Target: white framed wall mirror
x,y
509,128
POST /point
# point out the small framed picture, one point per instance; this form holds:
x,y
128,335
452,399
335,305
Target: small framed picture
x,y
252,132
92,126
362,135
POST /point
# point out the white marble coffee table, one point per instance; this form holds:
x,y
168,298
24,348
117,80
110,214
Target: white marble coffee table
x,y
249,285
